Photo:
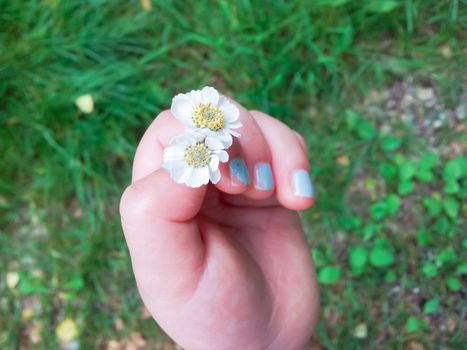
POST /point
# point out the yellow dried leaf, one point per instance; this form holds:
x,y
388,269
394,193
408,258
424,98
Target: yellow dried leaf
x,y
343,160
146,4
85,103
361,331
27,314
113,345
12,279
445,51
67,330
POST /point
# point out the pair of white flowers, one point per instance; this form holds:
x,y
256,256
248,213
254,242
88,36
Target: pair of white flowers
x,y
193,158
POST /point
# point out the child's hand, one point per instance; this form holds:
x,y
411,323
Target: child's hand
x,y
225,266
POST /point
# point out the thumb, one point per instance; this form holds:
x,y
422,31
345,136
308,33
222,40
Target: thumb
x,y
163,238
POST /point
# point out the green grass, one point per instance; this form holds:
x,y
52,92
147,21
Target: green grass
x,y
313,65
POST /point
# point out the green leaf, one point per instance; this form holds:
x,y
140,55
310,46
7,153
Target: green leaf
x,y
462,269
454,284
429,270
366,130
317,256
431,306
429,161
369,230
391,143
451,187
433,205
378,210
424,175
352,119
412,324
424,237
331,3
407,170
358,257
348,222
451,206
382,242
390,276
405,187
32,285
393,202
442,225
452,170
329,274
388,171
447,255
383,6
381,257
399,159
75,283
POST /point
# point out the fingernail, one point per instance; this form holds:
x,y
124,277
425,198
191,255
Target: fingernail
x,y
238,172
263,176
302,184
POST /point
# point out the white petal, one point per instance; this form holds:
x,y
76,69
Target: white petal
x,y
225,137
195,97
234,133
231,112
205,174
215,176
182,141
173,153
187,174
234,125
181,108
223,156
199,177
214,162
177,170
209,95
213,143
197,133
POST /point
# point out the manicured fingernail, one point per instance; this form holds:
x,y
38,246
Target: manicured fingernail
x,y
302,184
263,176
239,172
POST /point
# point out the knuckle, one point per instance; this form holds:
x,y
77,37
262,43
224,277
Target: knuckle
x,y
128,200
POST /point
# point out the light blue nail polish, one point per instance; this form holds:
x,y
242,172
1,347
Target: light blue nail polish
x,y
302,184
239,172
263,177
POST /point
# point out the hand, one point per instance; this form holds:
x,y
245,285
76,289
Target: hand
x,y
225,266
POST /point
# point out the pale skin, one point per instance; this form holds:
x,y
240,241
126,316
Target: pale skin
x,y
223,267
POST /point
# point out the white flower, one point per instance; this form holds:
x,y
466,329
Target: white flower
x,y
208,113
194,159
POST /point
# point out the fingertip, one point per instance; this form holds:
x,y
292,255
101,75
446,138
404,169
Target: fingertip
x,y
297,191
235,176
296,202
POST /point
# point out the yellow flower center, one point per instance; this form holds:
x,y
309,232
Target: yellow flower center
x,y
206,115
197,155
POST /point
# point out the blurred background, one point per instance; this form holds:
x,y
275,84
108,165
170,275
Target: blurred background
x,y
377,87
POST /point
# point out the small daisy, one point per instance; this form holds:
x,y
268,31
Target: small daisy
x,y
208,113
194,160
